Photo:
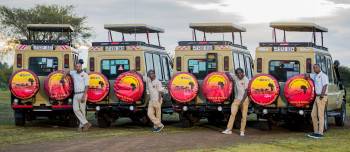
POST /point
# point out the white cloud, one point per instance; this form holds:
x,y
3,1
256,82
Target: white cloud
x,y
261,11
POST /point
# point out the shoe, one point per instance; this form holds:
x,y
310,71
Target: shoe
x,y
158,129
242,134
315,136
311,135
87,126
227,132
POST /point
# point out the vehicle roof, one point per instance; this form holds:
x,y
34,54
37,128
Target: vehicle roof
x,y
50,27
217,27
298,26
133,28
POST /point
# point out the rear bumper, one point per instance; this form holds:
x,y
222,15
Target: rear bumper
x,y
205,108
42,108
281,112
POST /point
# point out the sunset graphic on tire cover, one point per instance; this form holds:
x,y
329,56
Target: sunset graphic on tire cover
x,y
129,87
263,89
56,89
298,91
98,87
183,87
24,84
217,87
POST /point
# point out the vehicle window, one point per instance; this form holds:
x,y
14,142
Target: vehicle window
x,y
241,62
323,64
284,69
318,59
43,65
111,68
236,60
157,66
149,62
249,67
165,64
198,67
330,70
170,67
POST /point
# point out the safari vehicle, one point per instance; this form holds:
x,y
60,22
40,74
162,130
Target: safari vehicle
x,y
35,89
287,62
116,74
202,86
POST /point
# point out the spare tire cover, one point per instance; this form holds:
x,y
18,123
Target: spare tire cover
x,y
98,87
183,87
129,87
263,89
298,91
24,84
217,87
57,90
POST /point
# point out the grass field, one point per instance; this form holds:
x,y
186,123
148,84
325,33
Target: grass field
x,y
336,139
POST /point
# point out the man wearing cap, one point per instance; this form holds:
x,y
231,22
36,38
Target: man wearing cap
x,y
154,89
321,88
241,101
81,83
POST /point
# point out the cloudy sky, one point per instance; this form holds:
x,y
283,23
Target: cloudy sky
x,y
175,15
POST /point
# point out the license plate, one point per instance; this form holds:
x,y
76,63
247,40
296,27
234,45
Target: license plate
x,y
43,47
202,47
284,49
114,48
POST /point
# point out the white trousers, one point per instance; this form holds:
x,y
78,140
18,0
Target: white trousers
x,y
79,109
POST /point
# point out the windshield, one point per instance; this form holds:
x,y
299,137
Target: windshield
x,y
43,66
282,70
198,67
111,68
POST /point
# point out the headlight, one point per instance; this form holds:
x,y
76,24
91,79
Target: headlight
x,y
98,108
184,108
219,108
131,108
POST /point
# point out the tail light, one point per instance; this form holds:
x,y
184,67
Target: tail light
x,y
66,61
308,65
226,63
92,64
137,63
19,60
259,65
178,63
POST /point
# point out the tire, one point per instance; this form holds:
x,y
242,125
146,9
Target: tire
x,y
326,122
72,120
141,119
340,120
185,121
20,119
103,120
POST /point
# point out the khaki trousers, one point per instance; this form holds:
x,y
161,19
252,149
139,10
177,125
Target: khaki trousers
x,y
317,114
154,113
79,109
234,109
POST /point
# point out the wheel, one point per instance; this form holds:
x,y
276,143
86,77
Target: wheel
x,y
340,120
103,120
326,123
141,119
20,119
185,121
71,120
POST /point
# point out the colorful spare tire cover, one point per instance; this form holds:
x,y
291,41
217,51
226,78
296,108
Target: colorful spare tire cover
x,y
298,91
263,89
129,87
98,87
183,87
217,87
55,88
24,84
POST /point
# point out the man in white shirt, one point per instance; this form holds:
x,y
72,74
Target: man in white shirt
x,y
241,100
321,88
81,84
154,89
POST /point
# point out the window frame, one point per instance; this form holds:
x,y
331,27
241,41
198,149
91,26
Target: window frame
x,y
206,68
108,75
269,70
41,73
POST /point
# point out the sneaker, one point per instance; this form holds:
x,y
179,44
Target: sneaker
x,y
158,129
316,136
227,132
87,126
242,134
311,135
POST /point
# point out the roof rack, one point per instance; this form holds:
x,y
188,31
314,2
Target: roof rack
x,y
133,28
298,27
217,28
50,27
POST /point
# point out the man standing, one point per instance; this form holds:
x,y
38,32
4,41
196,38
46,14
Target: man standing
x,y
321,88
241,100
81,83
154,88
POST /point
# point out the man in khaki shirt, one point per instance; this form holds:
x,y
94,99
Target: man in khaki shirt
x,y
154,89
241,101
